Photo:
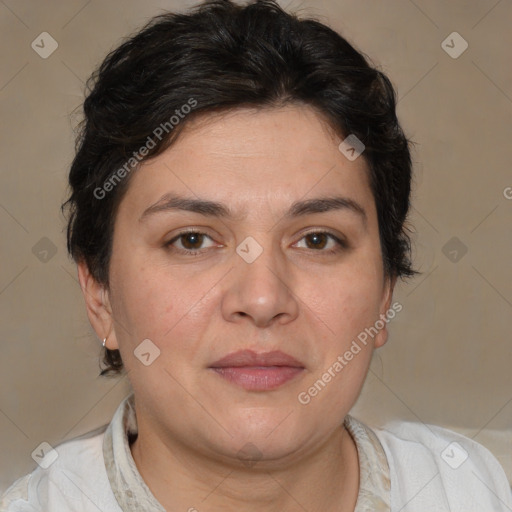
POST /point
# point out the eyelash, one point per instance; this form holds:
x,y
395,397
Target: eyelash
x,y
341,243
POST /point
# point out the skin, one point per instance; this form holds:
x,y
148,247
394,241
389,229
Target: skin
x,y
295,297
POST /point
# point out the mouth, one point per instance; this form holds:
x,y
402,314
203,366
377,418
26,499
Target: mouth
x,y
258,372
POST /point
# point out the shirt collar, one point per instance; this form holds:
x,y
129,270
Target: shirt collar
x,y
374,477
132,493
129,488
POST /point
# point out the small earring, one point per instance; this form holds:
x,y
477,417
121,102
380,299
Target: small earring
x,y
104,341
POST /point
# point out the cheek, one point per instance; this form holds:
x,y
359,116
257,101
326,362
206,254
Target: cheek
x,y
145,300
164,305
346,303
348,307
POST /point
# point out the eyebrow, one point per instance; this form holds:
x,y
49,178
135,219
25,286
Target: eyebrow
x,y
174,202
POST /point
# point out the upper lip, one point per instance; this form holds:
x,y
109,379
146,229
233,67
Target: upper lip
x,y
251,358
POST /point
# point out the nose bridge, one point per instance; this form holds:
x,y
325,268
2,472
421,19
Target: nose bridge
x,y
258,286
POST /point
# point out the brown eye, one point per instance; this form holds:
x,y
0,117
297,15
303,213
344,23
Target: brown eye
x,y
323,241
192,240
316,240
188,242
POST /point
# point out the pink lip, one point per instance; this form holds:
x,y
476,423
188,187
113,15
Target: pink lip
x,y
250,358
258,372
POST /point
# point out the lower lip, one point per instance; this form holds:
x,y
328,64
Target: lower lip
x,y
259,378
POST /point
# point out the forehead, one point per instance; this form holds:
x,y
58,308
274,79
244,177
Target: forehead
x,y
247,156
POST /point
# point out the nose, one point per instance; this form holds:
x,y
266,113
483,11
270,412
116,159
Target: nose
x,y
259,291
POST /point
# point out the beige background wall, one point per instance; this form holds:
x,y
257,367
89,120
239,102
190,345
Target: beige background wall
x,y
449,357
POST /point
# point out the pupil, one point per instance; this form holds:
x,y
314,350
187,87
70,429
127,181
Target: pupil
x,y
317,239
194,239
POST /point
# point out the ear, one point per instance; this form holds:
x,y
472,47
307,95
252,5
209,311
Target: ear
x,y
98,306
387,295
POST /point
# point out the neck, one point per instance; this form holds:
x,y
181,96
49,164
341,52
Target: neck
x,y
181,478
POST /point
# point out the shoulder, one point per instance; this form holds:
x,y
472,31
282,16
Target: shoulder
x,y
70,476
431,466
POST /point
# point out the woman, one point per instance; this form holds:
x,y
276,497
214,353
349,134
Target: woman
x,y
237,214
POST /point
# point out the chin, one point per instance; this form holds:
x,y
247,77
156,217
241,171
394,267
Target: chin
x,y
267,433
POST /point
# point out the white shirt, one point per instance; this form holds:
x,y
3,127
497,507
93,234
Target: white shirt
x,y
406,467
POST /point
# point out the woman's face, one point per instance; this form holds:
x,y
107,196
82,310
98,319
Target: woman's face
x,y
260,276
